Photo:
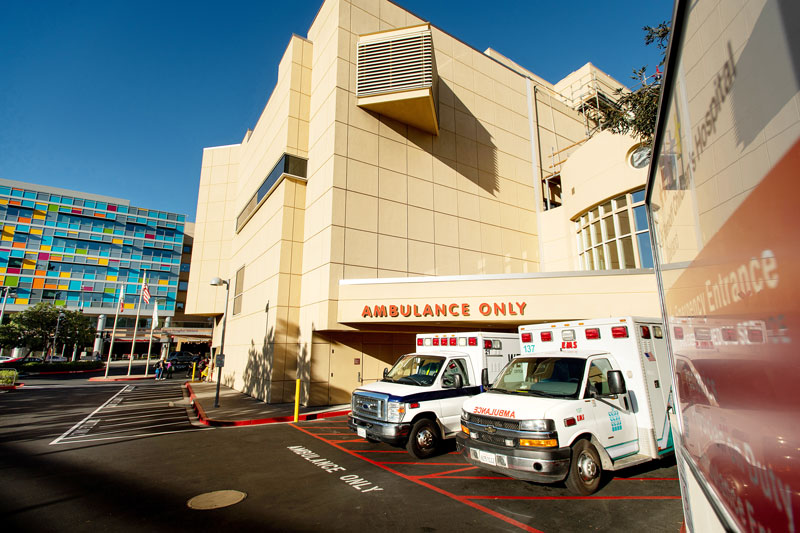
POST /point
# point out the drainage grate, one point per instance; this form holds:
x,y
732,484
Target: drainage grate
x,y
216,499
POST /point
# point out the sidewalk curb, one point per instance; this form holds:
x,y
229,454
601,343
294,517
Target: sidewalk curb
x,y
203,418
125,378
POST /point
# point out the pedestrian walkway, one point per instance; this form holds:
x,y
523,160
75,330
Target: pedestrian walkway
x,y
239,409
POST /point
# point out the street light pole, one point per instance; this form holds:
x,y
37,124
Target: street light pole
x,y
55,336
216,282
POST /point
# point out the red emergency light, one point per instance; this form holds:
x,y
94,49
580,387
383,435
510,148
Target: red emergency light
x,y
619,332
419,342
435,341
487,344
755,336
729,335
678,332
645,332
472,341
453,341
592,333
547,336
527,337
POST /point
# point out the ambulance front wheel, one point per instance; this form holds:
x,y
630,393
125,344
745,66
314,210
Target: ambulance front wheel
x,y
423,440
585,469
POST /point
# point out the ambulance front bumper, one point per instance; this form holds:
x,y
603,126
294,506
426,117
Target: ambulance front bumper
x,y
544,466
388,432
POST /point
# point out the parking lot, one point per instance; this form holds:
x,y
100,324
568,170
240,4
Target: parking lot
x,y
643,498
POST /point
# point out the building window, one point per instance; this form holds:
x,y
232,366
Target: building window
x,y
183,286
185,267
187,249
615,234
237,291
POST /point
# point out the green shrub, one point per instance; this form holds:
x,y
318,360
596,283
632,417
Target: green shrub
x,y
60,367
8,377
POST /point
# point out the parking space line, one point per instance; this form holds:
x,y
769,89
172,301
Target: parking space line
x,y
78,440
444,474
571,497
73,428
415,463
422,483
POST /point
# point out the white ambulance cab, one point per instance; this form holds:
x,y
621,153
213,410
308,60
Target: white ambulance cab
x,y
418,401
583,397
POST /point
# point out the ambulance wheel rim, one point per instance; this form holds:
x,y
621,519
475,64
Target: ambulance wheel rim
x,y
587,468
425,439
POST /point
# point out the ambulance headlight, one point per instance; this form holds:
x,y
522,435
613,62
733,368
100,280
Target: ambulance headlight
x,y
464,415
537,425
395,411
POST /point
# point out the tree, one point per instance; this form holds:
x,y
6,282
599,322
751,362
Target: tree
x,y
636,111
35,327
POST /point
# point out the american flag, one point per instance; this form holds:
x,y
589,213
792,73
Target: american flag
x,y
145,293
121,298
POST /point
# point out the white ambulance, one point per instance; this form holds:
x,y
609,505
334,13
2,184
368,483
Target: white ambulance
x,y
418,401
583,397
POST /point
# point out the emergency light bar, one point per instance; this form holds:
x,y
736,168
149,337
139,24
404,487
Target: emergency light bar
x,y
526,337
547,336
592,333
619,332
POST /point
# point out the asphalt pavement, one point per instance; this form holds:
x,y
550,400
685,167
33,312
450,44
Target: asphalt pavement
x,y
129,455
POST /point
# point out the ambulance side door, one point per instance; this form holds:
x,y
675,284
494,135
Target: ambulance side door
x,y
452,398
614,421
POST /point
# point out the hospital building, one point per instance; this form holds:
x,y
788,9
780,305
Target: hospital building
x,y
399,181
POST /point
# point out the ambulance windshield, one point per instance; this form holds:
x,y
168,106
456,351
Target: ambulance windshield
x,y
416,369
554,377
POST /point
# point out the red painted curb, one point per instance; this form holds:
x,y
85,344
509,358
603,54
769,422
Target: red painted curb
x,y
204,419
12,387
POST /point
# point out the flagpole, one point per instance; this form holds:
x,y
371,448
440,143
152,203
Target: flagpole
x,y
136,324
114,330
152,327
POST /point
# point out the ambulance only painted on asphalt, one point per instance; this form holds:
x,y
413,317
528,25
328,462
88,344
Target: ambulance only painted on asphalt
x,y
584,397
418,401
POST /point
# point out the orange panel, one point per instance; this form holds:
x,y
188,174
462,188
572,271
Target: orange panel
x,y
38,283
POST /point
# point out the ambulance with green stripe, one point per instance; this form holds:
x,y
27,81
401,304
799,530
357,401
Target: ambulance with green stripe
x,y
418,401
583,397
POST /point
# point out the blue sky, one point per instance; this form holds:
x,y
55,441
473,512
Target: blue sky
x,y
120,97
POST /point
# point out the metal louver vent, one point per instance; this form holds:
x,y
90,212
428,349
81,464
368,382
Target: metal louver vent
x,y
400,63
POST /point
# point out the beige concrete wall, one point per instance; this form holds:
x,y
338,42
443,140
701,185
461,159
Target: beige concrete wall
x,y
214,221
598,171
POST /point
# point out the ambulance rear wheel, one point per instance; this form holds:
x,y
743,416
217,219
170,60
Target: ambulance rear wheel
x,y
423,440
585,469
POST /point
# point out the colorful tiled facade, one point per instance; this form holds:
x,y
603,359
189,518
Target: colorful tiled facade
x,y
79,250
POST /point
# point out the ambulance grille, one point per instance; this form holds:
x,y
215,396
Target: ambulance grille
x,y
497,440
496,422
368,406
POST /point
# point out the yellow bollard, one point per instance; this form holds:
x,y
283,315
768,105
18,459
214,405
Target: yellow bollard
x,y
194,368
296,400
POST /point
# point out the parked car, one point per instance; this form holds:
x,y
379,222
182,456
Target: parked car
x,y
181,360
56,359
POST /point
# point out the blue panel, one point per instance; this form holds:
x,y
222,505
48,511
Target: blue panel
x,y
17,253
16,193
5,190
30,194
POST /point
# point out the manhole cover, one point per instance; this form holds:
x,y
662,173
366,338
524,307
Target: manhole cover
x,y
216,499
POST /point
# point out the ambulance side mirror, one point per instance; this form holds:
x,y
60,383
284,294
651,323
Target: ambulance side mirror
x,y
616,383
485,378
458,381
385,372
